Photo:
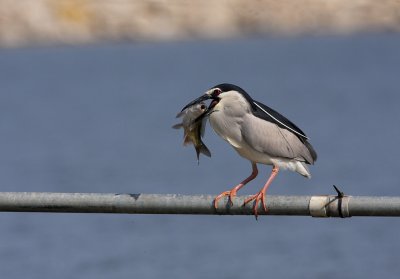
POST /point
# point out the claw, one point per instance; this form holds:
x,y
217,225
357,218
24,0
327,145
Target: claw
x,y
231,194
257,197
261,195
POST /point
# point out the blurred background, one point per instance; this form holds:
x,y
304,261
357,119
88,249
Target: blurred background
x,y
28,22
89,91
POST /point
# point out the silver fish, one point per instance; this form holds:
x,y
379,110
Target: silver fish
x,y
194,128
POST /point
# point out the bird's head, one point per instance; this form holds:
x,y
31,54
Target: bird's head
x,y
216,94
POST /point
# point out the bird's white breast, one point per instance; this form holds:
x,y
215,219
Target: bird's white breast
x,y
227,119
229,128
227,116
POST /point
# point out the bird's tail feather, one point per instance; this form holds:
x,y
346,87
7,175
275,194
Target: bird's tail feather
x,y
302,169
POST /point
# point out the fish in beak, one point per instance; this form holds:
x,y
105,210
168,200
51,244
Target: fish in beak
x,y
208,96
193,124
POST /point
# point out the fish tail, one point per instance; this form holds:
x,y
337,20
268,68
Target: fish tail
x,y
198,155
203,149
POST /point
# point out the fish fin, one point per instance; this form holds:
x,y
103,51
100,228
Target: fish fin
x,y
187,140
180,114
177,126
203,127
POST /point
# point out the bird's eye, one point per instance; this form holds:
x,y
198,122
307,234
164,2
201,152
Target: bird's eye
x,y
217,91
202,107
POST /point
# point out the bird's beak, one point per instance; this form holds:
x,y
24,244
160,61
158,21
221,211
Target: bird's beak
x,y
202,98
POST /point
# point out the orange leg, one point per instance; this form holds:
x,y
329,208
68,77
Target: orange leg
x,y
261,195
232,193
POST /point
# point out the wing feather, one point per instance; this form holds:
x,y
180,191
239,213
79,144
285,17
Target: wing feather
x,y
268,137
262,111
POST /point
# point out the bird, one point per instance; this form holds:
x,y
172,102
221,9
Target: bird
x,y
259,134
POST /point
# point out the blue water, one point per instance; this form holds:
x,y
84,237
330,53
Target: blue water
x,y
98,119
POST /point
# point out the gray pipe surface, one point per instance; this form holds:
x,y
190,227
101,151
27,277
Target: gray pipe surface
x,y
317,206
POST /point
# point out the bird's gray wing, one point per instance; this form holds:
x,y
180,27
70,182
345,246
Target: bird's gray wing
x,y
264,112
269,138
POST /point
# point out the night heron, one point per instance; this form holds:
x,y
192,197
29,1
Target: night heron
x,y
259,134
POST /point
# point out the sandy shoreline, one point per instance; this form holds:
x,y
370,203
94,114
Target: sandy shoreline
x,y
27,22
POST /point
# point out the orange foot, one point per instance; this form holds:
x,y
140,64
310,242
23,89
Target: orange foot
x,y
260,196
231,194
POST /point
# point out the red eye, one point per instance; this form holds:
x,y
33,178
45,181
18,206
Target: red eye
x,y
217,91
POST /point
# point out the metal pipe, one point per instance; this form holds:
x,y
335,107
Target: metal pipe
x,y
316,206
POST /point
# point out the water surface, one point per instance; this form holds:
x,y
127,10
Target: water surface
x,y
98,119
